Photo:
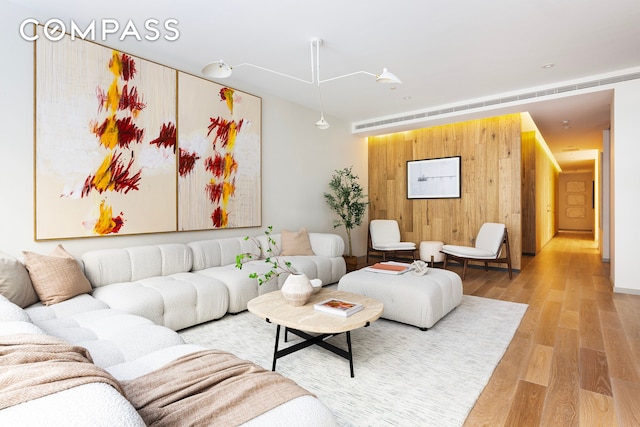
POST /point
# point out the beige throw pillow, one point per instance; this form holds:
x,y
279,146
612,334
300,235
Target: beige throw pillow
x,y
296,243
56,277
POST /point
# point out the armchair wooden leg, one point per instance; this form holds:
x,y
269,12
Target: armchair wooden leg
x,y
464,268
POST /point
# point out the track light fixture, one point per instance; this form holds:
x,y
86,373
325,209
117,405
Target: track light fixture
x,y
220,70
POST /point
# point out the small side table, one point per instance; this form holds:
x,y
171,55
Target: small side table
x,y
430,251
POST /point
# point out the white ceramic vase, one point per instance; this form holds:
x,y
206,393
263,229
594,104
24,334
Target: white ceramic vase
x,y
297,289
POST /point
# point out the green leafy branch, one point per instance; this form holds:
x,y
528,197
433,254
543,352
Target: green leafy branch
x,y
278,265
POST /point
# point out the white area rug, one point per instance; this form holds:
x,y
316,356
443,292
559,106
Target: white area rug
x,y
403,376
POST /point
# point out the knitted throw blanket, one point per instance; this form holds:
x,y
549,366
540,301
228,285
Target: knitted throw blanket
x,y
208,387
33,366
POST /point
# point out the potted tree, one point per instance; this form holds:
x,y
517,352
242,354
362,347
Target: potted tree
x,y
345,198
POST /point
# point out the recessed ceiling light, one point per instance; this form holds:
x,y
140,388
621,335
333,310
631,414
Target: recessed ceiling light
x,y
406,98
549,65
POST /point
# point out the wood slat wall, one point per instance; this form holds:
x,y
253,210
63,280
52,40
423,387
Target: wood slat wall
x,y
491,181
539,195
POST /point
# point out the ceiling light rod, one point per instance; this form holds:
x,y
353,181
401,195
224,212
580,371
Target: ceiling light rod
x,y
219,69
322,123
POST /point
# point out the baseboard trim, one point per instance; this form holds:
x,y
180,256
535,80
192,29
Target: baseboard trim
x,y
631,291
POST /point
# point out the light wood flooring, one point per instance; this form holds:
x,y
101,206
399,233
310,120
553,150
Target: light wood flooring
x,y
575,359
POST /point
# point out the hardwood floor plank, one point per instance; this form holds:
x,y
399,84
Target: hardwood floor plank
x,y
626,402
590,331
594,373
572,296
562,399
545,333
569,320
605,301
610,320
596,410
539,366
629,313
620,359
601,283
527,405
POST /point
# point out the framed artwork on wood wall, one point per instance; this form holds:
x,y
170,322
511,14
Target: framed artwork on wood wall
x,y
437,178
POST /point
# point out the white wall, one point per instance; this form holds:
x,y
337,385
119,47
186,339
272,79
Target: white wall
x,y
605,191
297,162
625,179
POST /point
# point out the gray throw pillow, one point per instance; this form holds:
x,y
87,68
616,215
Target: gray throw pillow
x,y
15,283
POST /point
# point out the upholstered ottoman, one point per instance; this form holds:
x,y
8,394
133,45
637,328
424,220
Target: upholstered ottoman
x,y
416,300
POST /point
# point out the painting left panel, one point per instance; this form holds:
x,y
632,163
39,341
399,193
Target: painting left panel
x,y
105,143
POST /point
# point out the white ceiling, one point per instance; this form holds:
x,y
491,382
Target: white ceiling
x,y
446,52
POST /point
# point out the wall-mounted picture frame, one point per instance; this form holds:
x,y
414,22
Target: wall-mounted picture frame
x,y
111,159
437,178
105,161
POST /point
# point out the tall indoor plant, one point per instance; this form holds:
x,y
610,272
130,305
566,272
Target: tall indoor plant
x,y
346,198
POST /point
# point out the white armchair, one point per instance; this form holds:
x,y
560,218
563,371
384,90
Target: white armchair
x,y
384,241
488,248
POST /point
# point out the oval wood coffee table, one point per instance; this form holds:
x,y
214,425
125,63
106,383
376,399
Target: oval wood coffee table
x,y
305,320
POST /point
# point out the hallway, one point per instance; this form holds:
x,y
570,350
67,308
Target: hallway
x,y
575,359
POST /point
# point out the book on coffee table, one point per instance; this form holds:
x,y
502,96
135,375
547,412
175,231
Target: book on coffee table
x,y
389,267
338,307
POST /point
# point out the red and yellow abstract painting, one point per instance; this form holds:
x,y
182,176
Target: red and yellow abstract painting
x,y
106,150
219,183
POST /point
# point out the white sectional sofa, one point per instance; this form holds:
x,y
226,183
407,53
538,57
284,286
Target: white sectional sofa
x,y
216,259
139,297
181,285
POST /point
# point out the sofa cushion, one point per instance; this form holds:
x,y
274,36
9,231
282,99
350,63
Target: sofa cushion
x,y
111,336
107,266
56,277
241,287
296,243
15,283
219,252
176,301
95,404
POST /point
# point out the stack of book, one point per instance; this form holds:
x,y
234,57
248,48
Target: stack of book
x,y
338,307
389,267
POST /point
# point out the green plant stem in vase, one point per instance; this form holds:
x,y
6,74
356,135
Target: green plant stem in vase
x,y
278,266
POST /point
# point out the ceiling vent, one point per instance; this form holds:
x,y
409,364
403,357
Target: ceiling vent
x,y
360,126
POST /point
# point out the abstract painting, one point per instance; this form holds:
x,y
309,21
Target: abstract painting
x,y
219,140
105,158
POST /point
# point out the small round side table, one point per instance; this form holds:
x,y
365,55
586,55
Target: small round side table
x,y
430,251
